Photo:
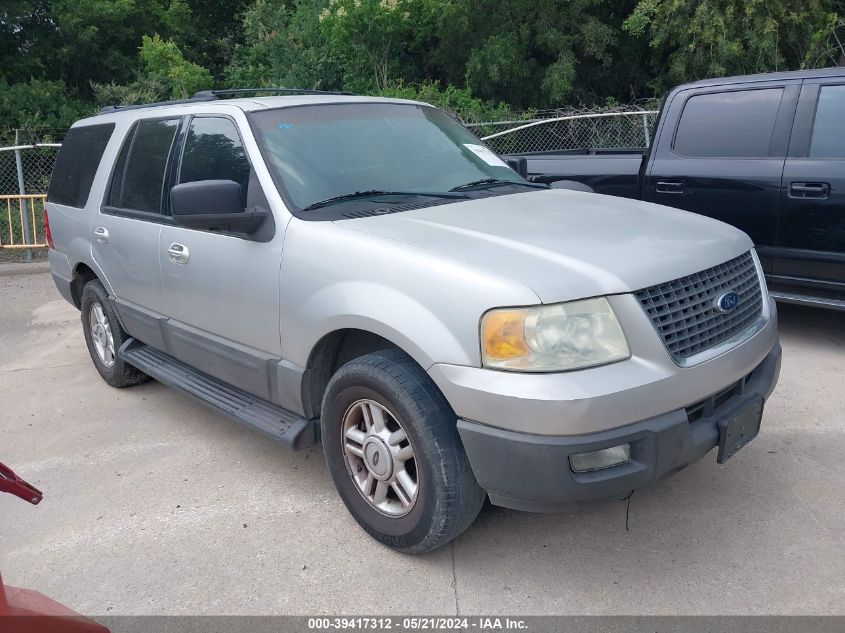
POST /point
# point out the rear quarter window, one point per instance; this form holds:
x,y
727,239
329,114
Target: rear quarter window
x,y
77,163
735,124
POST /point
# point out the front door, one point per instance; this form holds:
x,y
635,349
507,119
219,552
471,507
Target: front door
x,y
811,237
222,290
724,159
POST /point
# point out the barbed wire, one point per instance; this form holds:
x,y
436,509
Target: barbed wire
x,y
569,129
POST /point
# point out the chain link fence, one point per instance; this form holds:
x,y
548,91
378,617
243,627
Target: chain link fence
x,y
555,131
25,172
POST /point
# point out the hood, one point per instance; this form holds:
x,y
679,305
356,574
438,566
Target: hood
x,y
566,244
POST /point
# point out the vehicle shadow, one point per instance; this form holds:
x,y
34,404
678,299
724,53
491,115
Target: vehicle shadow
x,y
811,326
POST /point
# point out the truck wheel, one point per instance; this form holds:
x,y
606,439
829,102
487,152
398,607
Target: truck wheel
x,y
104,336
393,450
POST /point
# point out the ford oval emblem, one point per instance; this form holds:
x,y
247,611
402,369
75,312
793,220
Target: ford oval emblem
x,y
727,302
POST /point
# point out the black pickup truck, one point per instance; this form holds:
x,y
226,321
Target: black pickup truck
x,y
765,153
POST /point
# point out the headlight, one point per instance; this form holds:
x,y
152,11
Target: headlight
x,y
556,337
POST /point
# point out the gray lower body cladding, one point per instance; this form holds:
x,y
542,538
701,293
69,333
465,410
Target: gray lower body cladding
x,y
532,472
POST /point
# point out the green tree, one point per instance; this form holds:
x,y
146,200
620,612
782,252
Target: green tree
x,y
707,38
38,104
22,24
282,46
163,63
368,39
538,53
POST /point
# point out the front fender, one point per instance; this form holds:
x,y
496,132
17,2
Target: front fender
x,y
426,303
394,315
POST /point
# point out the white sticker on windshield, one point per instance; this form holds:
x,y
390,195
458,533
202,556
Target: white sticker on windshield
x,y
486,155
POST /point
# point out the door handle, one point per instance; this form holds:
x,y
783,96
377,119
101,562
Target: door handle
x,y
101,235
809,190
669,186
178,253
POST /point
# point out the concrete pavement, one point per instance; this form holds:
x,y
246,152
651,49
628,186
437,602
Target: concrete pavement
x,y
154,504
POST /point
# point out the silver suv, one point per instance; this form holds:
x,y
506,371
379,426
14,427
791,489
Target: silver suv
x,y
367,273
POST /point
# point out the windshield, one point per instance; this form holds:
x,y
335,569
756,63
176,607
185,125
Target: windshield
x,y
320,152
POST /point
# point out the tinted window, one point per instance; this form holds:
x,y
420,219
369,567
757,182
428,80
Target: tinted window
x,y
77,164
213,151
728,124
138,179
829,127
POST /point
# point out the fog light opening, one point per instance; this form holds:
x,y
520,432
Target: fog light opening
x,y
599,460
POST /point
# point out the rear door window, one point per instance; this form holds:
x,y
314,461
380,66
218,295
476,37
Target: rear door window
x,y
736,124
828,140
77,163
139,176
214,151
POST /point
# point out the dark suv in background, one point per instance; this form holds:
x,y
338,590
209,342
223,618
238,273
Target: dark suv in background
x,y
765,153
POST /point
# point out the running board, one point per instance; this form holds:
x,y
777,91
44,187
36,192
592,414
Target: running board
x,y
819,302
282,425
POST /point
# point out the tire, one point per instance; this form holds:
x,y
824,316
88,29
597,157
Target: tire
x,y
95,305
446,497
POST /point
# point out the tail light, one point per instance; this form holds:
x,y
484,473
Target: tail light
x,y
47,235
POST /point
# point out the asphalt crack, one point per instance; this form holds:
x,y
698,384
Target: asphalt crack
x,y
455,581
39,368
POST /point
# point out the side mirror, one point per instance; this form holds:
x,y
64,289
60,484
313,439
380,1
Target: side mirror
x,y
207,204
206,197
519,165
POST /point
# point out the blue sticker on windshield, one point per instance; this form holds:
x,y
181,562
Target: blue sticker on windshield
x,y
285,126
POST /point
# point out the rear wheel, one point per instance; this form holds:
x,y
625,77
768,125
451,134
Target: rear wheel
x,y
395,455
104,336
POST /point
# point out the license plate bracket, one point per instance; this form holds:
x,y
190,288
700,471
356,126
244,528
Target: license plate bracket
x,y
737,430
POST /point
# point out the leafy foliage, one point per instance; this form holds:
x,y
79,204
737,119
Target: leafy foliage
x,y
163,63
457,101
37,104
706,38
477,58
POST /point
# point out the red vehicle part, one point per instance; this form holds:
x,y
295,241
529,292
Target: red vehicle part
x,y
22,610
11,483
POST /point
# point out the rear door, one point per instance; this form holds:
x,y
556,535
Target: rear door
x,y
125,232
811,236
724,156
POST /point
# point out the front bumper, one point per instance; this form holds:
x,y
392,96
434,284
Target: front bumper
x,y
531,472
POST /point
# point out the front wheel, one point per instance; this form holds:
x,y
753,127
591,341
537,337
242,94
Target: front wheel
x,y
395,455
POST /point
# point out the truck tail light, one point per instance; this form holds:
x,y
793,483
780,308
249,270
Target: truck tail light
x,y
47,235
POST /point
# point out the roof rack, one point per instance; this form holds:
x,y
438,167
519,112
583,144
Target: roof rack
x,y
214,95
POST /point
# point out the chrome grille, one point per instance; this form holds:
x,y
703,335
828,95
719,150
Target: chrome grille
x,y
684,310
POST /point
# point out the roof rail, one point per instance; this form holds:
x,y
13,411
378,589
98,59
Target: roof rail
x,y
213,95
216,94
138,106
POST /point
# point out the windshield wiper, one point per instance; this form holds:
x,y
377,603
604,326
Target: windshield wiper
x,y
370,193
498,182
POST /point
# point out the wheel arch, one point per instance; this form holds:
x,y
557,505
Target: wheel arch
x,y
82,274
333,350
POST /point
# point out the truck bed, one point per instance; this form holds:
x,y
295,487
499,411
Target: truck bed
x,y
612,172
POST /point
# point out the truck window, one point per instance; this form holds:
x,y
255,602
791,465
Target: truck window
x,y
214,151
736,124
76,164
828,140
138,179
